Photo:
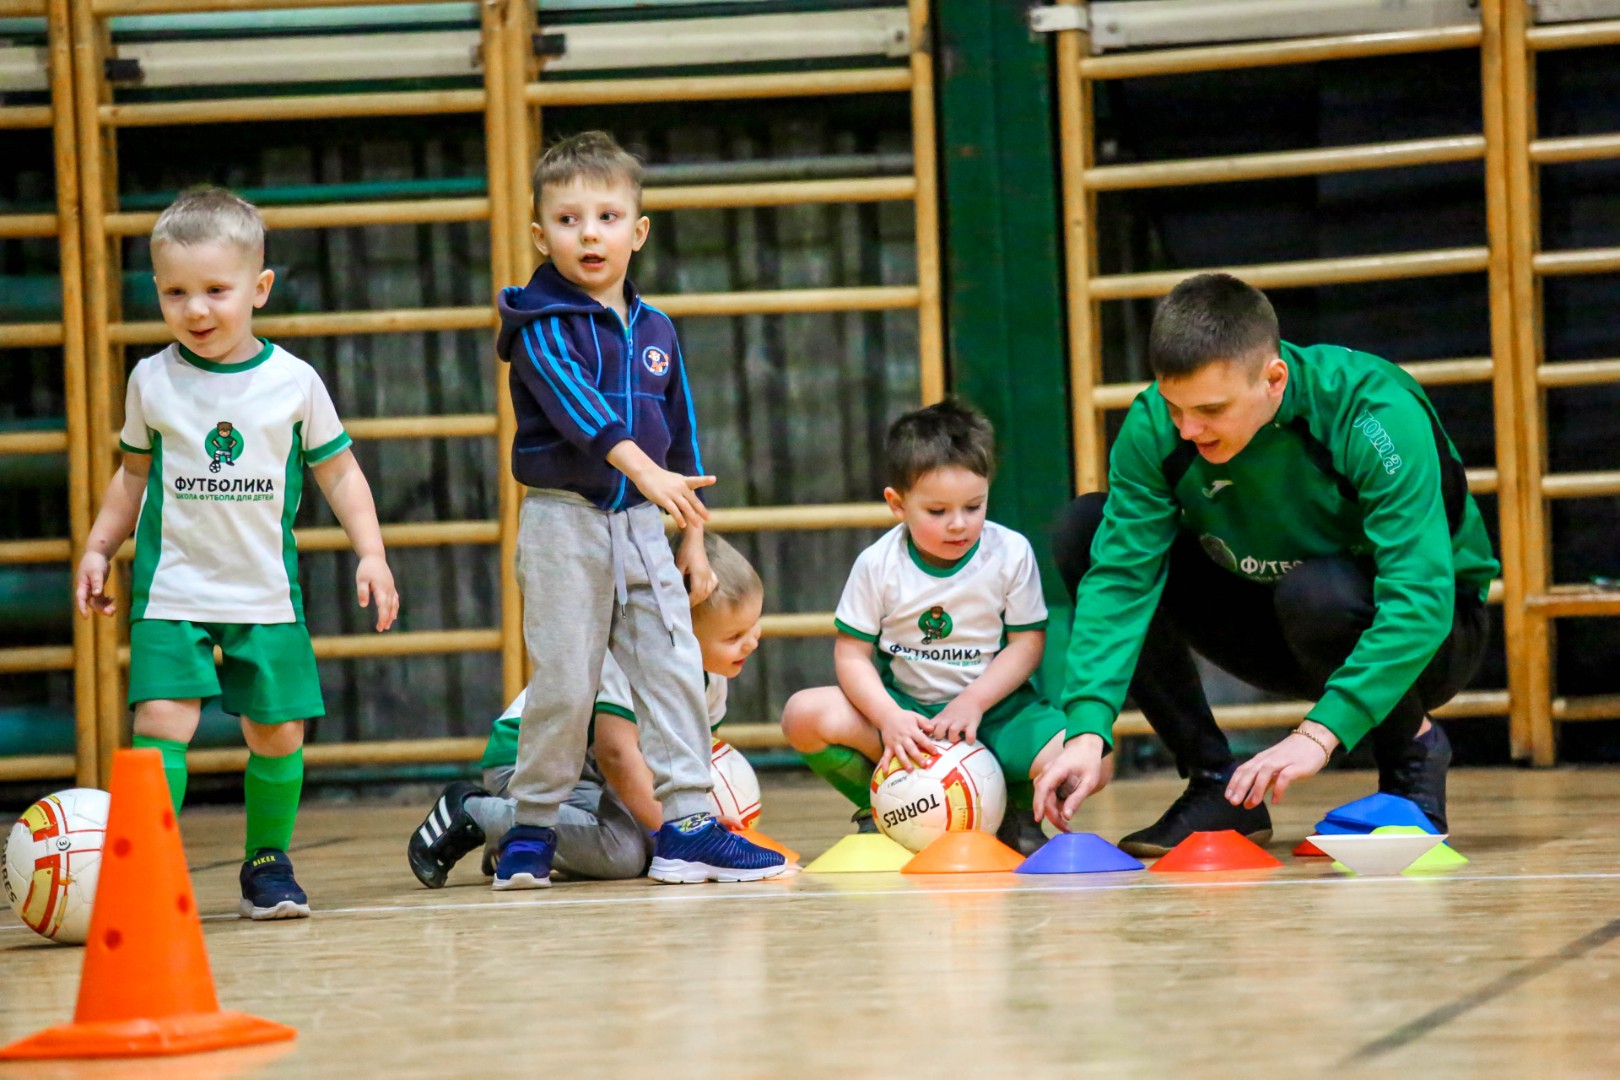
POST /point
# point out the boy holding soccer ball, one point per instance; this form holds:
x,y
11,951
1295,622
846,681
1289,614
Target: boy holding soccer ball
x,y
605,825
940,627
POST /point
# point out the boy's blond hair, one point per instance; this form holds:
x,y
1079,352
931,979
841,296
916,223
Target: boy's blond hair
x,y
209,215
591,155
738,580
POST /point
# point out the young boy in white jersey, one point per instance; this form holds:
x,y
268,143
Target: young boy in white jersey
x,y
605,825
940,627
217,430
606,437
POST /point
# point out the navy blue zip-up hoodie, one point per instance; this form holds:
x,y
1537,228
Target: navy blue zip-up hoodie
x,y
583,381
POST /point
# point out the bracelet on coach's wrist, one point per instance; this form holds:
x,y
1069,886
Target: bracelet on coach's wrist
x,y
1327,751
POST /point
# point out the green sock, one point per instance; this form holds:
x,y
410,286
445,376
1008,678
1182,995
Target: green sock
x,y
848,771
174,764
1021,794
271,786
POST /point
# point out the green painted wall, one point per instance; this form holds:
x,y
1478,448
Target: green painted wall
x,y
1004,272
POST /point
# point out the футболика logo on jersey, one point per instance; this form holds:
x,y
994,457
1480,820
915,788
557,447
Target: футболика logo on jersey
x,y
935,624
223,445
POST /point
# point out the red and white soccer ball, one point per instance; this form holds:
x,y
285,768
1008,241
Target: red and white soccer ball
x,y
961,789
53,858
735,797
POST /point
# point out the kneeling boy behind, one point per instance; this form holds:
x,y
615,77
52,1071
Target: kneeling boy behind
x,y
605,825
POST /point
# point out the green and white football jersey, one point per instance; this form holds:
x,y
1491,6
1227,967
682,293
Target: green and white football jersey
x,y
936,629
229,443
613,694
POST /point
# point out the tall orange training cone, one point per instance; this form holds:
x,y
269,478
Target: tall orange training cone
x,y
967,852
145,988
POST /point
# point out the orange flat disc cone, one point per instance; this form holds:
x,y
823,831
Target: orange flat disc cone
x,y
757,837
1223,850
968,852
1308,850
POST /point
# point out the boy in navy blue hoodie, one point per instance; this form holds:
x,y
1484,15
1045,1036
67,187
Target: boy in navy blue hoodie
x,y
606,436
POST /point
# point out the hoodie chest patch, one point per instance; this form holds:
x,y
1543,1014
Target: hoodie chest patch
x,y
655,360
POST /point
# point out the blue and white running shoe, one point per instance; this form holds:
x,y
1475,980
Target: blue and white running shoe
x,y
526,854
699,848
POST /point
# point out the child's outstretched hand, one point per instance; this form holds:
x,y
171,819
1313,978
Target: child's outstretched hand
x,y
958,721
905,738
693,563
90,588
374,581
675,494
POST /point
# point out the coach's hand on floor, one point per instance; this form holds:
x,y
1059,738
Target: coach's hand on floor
x,y
1303,753
1073,776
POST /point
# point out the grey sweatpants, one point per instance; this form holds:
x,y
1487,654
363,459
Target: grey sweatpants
x,y
597,836
594,581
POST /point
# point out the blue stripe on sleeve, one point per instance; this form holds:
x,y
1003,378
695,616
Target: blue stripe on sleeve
x,y
593,397
691,410
551,381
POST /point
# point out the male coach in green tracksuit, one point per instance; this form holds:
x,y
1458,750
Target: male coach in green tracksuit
x,y
1299,518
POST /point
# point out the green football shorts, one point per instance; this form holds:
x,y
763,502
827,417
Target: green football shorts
x,y
269,673
1016,729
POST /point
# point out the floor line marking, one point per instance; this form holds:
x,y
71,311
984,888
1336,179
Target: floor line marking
x,y
764,891
1505,984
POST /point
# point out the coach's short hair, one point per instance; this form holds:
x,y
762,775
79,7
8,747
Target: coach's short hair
x,y
209,215
591,155
1207,318
938,437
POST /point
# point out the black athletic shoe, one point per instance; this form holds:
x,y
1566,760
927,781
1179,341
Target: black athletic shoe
x,y
1201,808
492,859
1020,831
1421,776
445,835
865,823
269,890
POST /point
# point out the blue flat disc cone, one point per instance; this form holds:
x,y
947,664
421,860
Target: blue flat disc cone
x,y
1329,828
1376,811
1077,853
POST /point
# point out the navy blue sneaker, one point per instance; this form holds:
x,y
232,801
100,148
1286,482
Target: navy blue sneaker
x,y
445,836
526,854
698,848
269,890
1420,774
1020,831
865,823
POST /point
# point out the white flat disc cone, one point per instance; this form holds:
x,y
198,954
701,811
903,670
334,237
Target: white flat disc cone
x,y
1380,853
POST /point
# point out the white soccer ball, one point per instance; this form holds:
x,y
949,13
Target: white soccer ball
x,y
961,789
53,858
735,797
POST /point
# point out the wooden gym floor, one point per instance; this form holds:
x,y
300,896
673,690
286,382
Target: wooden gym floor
x,y
1509,967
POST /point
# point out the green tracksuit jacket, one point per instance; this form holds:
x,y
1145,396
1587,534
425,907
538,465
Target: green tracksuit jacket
x,y
1355,462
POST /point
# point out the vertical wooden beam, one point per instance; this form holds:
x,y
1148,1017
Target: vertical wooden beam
x,y
59,43
925,164
1504,373
97,194
499,102
1531,731
1075,138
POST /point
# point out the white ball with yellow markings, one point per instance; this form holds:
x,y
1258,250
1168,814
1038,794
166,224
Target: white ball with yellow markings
x,y
961,788
53,858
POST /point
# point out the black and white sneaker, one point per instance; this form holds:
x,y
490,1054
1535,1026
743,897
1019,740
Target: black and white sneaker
x,y
269,890
1420,774
1201,808
446,835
